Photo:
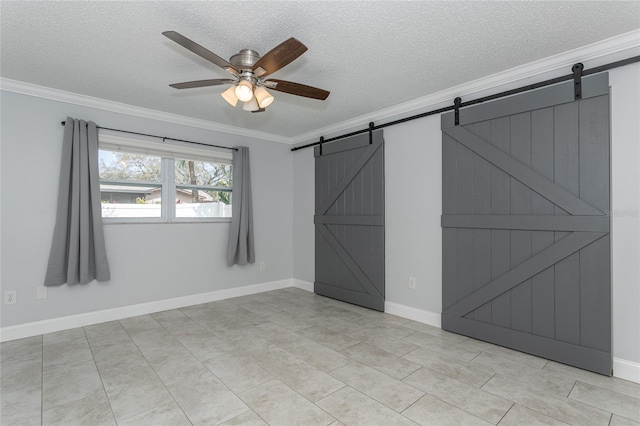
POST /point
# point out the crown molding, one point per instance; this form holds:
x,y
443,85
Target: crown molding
x,y
551,67
556,65
121,108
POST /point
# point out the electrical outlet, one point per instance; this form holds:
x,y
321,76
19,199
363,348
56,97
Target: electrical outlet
x,y
41,293
9,297
263,266
412,283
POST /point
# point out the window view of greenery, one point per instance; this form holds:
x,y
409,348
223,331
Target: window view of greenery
x,y
205,183
130,185
133,186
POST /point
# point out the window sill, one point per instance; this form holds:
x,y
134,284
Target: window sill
x,y
162,222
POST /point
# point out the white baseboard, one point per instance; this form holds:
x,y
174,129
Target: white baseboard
x,y
303,285
415,314
80,320
627,370
426,317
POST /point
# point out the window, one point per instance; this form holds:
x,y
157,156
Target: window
x,y
142,180
203,188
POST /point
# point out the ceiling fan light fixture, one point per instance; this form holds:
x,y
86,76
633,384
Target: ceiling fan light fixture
x,y
244,90
263,97
229,95
249,70
251,105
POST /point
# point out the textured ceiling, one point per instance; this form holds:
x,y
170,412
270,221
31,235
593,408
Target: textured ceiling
x,y
370,55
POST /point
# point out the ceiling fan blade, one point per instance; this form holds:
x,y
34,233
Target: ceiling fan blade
x,y
202,83
259,110
279,56
297,89
200,51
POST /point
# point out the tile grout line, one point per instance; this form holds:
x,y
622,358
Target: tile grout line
x,y
462,409
592,406
536,410
326,396
237,395
513,404
154,371
477,355
99,375
374,398
487,381
141,354
296,391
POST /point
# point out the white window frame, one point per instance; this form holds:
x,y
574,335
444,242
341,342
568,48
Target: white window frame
x,y
169,151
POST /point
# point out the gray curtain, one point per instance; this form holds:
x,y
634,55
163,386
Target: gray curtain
x,y
241,250
78,252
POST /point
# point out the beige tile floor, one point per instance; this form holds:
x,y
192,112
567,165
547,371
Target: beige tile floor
x,y
290,357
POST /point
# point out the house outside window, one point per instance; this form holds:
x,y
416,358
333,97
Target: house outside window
x,y
144,180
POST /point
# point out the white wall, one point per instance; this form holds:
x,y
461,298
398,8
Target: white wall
x,y
625,206
303,229
149,262
413,207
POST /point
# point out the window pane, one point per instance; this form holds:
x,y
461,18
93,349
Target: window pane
x,y
129,201
202,202
126,166
202,173
121,196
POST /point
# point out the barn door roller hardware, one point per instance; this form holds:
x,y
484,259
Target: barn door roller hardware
x,y
370,133
456,108
577,80
576,75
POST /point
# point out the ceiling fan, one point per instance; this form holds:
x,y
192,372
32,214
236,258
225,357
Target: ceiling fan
x,y
250,71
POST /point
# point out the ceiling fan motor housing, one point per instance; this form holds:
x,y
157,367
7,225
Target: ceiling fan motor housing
x,y
244,60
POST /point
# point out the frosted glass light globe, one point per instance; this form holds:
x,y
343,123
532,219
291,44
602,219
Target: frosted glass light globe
x,y
264,98
244,91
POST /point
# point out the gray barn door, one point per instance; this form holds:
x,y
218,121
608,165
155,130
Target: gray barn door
x,y
526,250
349,220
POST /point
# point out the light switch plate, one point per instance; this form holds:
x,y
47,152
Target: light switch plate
x,y
41,293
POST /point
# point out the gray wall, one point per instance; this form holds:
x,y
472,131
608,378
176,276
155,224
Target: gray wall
x,y
625,206
303,228
143,257
413,208
413,178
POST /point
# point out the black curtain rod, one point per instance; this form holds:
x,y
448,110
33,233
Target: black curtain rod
x,y
479,100
161,137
